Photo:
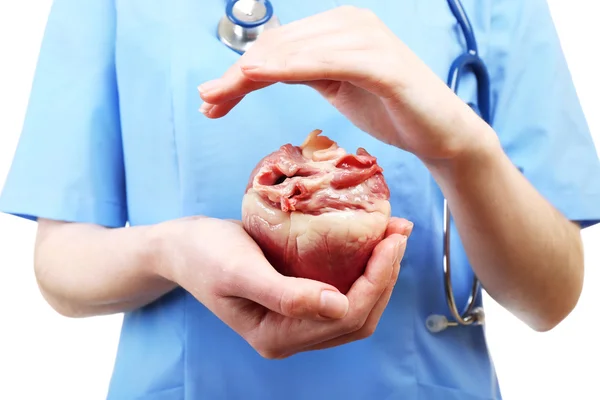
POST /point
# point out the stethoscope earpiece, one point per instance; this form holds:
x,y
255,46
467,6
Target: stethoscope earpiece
x,y
437,323
244,21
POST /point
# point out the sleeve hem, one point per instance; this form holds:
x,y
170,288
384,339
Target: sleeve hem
x,y
581,208
64,207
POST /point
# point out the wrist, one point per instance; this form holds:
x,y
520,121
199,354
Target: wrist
x,y
159,250
169,246
481,150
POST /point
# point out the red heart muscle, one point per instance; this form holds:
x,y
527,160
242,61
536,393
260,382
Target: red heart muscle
x,y
317,211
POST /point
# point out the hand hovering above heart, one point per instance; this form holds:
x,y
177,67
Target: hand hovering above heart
x,y
351,58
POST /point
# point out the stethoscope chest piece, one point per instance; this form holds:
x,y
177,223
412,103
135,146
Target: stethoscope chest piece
x,y
244,21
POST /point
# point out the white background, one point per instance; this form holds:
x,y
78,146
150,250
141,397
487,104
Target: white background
x,y
46,356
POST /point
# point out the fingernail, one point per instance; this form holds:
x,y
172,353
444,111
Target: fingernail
x,y
397,247
409,228
400,242
209,86
205,108
333,304
252,65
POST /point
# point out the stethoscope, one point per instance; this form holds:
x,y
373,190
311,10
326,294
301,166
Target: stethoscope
x,y
245,20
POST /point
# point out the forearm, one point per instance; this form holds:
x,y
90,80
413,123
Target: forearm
x,y
85,270
526,254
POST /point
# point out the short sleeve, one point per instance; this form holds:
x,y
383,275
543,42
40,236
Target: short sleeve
x,y
68,164
536,110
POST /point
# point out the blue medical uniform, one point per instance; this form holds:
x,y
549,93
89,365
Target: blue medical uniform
x,y
113,136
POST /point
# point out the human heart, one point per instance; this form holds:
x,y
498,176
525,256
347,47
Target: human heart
x,y
316,211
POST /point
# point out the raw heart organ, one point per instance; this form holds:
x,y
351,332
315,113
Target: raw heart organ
x,y
317,211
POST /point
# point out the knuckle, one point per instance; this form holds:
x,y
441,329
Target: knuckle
x,y
268,354
325,59
291,304
354,325
282,62
394,279
265,350
348,8
366,331
367,13
268,36
361,13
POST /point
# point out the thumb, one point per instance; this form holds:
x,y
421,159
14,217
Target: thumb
x,y
294,297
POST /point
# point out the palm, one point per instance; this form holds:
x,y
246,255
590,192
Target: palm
x,y
387,119
370,113
367,111
256,321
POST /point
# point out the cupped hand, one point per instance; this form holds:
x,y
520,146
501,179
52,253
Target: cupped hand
x,y
219,264
351,58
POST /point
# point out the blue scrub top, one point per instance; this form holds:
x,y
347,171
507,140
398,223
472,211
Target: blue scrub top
x,y
113,136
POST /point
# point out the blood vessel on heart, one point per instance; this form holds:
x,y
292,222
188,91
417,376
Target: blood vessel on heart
x,y
317,211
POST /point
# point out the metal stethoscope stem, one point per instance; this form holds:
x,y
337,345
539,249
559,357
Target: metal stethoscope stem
x,y
244,21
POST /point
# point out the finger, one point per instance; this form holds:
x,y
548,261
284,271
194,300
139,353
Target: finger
x,y
215,111
288,296
367,289
305,61
361,67
221,91
399,225
304,67
293,335
223,101
372,320
329,25
229,88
